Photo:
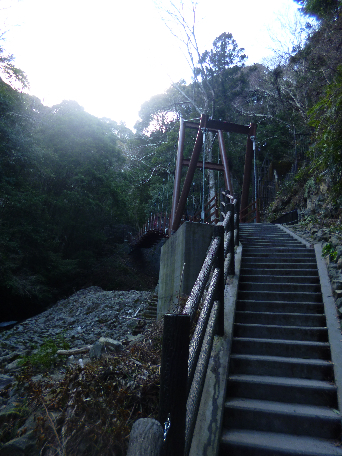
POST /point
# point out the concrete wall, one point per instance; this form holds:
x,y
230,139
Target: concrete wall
x,y
188,245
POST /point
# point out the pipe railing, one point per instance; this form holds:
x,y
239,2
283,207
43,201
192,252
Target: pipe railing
x,y
185,358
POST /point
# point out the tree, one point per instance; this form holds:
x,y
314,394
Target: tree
x,y
322,9
9,72
326,118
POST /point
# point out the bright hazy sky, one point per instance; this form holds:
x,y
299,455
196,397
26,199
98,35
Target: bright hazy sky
x,y
111,56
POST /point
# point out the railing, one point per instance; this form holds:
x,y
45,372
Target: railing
x,y
250,213
158,225
157,222
211,213
184,366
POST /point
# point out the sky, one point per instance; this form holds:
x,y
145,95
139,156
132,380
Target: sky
x,y
111,56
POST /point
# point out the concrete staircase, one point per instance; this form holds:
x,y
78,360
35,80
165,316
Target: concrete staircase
x,y
281,397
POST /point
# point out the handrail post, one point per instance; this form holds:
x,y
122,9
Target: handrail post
x,y
173,381
219,231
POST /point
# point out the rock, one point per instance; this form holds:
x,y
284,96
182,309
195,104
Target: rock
x,y
9,414
339,263
111,344
333,271
339,252
339,303
5,380
14,366
131,338
21,446
322,235
96,351
336,284
334,241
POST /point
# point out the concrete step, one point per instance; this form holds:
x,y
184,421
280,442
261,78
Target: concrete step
x,y
250,305
281,396
150,313
280,287
283,389
289,296
276,259
261,251
277,347
281,318
283,272
315,369
268,237
241,442
275,238
299,333
272,245
274,253
261,278
277,265
296,419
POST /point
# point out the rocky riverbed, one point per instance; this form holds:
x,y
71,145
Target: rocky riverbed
x,y
91,324
82,319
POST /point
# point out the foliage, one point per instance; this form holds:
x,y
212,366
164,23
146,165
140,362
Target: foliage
x,y
326,118
328,249
10,72
322,9
62,190
45,356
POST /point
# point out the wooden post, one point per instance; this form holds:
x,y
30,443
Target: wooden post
x,y
146,438
173,381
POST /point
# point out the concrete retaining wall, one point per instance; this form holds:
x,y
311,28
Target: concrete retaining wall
x,y
187,246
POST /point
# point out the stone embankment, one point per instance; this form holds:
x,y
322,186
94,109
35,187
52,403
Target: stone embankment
x,y
333,240
90,322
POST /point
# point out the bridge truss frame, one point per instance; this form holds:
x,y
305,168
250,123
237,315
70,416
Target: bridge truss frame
x,y
206,124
